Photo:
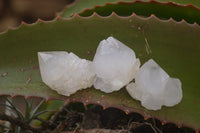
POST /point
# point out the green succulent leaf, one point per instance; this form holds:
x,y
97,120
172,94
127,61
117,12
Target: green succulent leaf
x,y
163,11
81,5
33,113
174,45
14,109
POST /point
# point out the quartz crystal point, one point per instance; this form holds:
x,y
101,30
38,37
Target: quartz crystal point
x,y
154,88
65,72
115,65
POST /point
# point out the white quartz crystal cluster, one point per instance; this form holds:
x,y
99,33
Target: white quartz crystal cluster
x,y
154,88
114,66
65,72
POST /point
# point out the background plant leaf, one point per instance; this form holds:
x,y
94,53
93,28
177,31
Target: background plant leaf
x,y
163,11
175,46
81,5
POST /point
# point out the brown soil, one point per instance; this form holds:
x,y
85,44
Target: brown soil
x,y
75,117
93,118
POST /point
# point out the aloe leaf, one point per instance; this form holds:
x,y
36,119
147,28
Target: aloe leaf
x,y
174,45
14,109
37,108
163,11
81,5
39,113
27,109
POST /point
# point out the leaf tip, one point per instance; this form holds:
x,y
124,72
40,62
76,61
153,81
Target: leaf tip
x,y
58,17
171,19
94,14
23,23
152,15
113,13
183,21
133,14
40,20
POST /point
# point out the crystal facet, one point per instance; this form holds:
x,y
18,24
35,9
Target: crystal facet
x,y
154,88
65,72
115,65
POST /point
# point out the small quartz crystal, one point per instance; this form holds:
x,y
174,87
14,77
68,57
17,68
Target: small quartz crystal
x,y
154,88
65,72
115,65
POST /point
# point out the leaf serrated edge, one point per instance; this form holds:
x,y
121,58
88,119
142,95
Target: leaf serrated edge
x,y
126,110
120,1
147,2
76,15
59,14
141,1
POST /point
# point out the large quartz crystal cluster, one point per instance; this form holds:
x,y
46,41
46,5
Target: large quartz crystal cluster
x,y
115,65
65,72
154,88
